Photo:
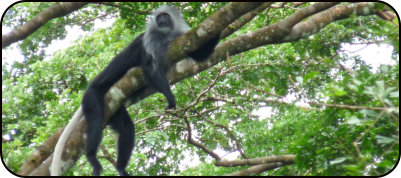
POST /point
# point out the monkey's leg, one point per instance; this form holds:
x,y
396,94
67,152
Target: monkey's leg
x,y
121,122
93,106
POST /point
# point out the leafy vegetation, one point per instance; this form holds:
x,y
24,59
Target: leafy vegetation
x,y
326,106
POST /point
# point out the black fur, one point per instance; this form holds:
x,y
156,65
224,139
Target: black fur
x,y
148,51
204,51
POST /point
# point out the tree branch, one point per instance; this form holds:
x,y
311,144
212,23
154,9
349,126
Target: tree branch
x,y
320,20
237,144
42,152
56,10
197,144
257,161
233,27
259,169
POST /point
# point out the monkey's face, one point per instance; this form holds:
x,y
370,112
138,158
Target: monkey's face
x,y
164,22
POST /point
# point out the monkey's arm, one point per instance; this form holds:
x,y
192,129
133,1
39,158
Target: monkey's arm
x,y
121,63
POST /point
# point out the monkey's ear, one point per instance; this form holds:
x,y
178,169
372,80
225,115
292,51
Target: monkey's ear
x,y
204,51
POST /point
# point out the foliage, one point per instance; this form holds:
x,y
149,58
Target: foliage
x,y
328,139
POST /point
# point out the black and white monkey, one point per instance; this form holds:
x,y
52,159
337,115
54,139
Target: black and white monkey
x,y
148,51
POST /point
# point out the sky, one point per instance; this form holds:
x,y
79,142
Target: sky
x,y
372,54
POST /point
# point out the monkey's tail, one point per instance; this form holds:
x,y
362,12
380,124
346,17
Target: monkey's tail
x,y
55,168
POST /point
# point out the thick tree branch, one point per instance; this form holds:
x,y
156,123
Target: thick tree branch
x,y
270,34
56,10
40,154
233,27
320,20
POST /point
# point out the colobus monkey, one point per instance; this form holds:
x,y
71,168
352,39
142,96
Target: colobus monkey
x,y
148,51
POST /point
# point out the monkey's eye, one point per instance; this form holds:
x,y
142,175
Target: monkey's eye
x,y
162,17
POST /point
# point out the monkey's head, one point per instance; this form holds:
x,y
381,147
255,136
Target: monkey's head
x,y
165,25
167,20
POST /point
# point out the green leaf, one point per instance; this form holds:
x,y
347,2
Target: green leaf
x,y
354,121
337,160
384,140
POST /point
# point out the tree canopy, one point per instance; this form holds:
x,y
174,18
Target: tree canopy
x,y
281,95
